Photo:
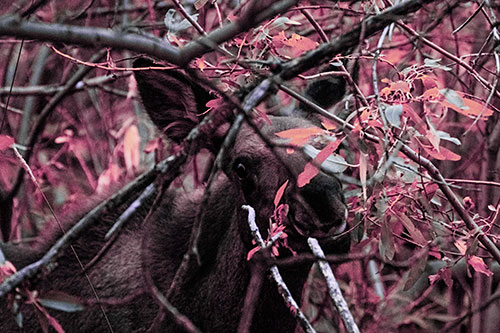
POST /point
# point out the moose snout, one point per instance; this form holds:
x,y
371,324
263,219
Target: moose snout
x,y
325,211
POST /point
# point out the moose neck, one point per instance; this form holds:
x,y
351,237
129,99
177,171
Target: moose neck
x,y
213,294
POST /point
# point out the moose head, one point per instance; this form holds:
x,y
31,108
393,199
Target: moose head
x,y
252,170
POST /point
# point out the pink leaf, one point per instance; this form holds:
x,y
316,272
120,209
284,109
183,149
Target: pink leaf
x,y
5,142
311,169
279,194
299,136
479,265
252,252
131,149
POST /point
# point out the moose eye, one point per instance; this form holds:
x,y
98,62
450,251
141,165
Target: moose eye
x,y
241,170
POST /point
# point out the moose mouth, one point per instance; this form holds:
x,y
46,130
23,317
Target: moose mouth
x,y
306,227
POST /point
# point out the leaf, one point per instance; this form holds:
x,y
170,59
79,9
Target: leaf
x,y
282,23
434,63
393,114
454,99
200,4
213,104
476,109
58,300
444,274
333,164
6,142
479,266
279,194
111,175
200,64
415,233
299,136
434,278
461,245
458,102
311,169
309,172
6,269
252,252
432,135
293,46
386,243
443,154
300,43
171,23
328,124
447,137
417,267
131,149
51,320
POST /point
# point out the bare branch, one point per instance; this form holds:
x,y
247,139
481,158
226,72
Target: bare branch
x,y
282,288
98,37
333,288
52,89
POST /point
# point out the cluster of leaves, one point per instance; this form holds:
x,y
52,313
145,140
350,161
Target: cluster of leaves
x,y
399,217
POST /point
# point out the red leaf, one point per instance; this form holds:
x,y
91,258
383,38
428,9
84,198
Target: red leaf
x,y
279,194
461,246
252,252
444,154
293,46
5,142
467,106
444,274
328,124
433,278
200,64
131,149
300,43
311,170
299,136
479,265
6,270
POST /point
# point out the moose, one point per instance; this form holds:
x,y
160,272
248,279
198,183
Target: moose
x,y
211,296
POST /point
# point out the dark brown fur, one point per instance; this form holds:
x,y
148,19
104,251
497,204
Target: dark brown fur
x,y
212,297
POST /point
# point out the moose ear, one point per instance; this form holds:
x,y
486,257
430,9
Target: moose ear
x,y
326,92
172,100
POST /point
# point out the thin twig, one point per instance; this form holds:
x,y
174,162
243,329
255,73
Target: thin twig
x,y
282,288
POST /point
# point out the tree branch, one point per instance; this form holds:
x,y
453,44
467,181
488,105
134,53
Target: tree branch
x,y
282,288
333,288
99,37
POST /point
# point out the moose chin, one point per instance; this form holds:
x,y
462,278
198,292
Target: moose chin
x,y
212,296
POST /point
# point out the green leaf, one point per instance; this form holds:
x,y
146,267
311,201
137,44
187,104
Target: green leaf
x,y
171,22
393,114
448,137
334,163
453,98
386,244
434,63
61,301
416,269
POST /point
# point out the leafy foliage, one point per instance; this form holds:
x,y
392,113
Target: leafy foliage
x,y
434,92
